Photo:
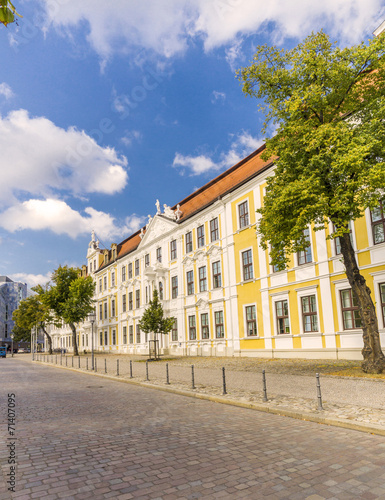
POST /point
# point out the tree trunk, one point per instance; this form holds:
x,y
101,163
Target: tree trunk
x,y
374,359
49,340
74,339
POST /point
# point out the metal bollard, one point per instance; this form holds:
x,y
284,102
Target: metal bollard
x,y
66,360
87,364
55,359
95,365
105,365
61,359
192,377
224,380
264,385
72,362
117,368
319,397
78,361
147,371
167,377
131,368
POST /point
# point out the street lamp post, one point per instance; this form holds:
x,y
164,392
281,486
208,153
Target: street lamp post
x,y
92,318
12,336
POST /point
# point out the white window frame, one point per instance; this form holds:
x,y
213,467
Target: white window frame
x,y
245,331
247,199
306,292
241,262
276,298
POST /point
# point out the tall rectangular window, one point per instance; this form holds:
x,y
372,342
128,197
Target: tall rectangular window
x,y
214,230
137,267
100,311
101,338
113,278
100,285
160,287
173,249
378,223
146,260
304,256
105,282
337,241
189,242
124,302
243,214
219,326
138,335
131,334
192,328
282,315
130,301
113,308
137,298
130,270
350,313
382,298
201,236
106,338
205,326
124,273
309,314
190,282
251,321
174,331
124,335
247,263
217,276
159,254
174,287
105,311
202,279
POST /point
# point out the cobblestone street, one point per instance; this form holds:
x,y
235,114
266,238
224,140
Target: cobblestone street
x,y
79,436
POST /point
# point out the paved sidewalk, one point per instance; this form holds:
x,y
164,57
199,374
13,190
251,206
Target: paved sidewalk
x,y
348,402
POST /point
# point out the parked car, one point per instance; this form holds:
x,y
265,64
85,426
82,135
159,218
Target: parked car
x,y
3,352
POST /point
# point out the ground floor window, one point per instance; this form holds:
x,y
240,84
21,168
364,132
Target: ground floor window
x,y
192,328
205,326
138,339
105,338
124,335
174,331
251,321
282,315
131,333
350,314
309,314
101,338
219,325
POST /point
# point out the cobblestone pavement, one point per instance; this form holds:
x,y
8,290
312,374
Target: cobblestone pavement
x,y
80,436
345,400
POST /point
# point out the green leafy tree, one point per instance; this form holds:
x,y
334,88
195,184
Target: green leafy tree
x,y
70,297
7,12
153,319
327,105
32,312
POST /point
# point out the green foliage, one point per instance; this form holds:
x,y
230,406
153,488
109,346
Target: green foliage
x,y
327,106
30,313
7,12
70,297
153,319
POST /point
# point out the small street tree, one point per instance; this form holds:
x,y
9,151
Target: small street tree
x,y
32,312
153,320
328,107
70,297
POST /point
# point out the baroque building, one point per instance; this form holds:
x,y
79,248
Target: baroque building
x,y
204,258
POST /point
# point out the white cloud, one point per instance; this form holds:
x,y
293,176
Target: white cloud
x,y
130,136
166,27
38,158
241,146
218,96
32,279
58,217
6,91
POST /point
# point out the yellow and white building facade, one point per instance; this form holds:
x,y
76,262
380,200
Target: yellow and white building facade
x,y
204,258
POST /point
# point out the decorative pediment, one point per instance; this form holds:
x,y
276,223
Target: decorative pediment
x,y
157,227
187,261
214,250
135,282
202,303
200,255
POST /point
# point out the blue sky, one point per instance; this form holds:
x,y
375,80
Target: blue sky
x,y
107,106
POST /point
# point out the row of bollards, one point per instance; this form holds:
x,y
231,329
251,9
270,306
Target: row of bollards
x,y
40,357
